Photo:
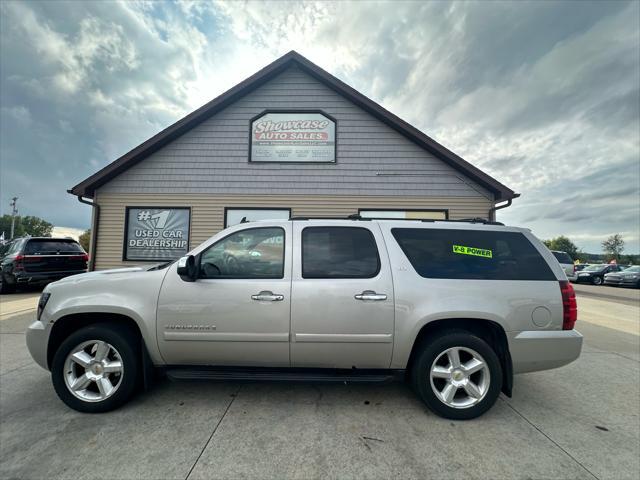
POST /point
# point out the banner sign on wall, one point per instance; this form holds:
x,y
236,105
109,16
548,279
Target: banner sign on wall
x,y
156,233
293,137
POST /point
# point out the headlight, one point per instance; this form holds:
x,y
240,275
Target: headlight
x,y
44,298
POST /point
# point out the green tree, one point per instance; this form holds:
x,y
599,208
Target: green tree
x,y
85,239
613,247
5,226
29,225
36,226
563,244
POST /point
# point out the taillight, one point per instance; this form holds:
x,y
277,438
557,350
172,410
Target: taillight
x,y
85,257
569,305
18,262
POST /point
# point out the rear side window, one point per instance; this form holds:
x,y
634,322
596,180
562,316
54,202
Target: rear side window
x,y
339,252
51,247
14,247
562,257
472,254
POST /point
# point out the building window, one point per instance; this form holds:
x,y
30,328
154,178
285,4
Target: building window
x,y
234,216
405,214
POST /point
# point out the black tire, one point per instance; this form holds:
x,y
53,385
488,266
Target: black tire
x,y
596,280
124,340
6,287
432,348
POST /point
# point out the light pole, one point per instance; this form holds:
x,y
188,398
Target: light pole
x,y
14,212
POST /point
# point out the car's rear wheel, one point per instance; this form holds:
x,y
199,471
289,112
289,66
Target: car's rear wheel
x,y
96,369
596,281
458,375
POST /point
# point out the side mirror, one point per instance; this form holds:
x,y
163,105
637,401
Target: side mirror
x,y
187,268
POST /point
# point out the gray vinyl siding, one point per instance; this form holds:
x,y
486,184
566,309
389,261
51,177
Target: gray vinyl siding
x,y
372,158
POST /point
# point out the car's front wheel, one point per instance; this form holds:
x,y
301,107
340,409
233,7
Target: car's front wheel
x,y
457,374
6,287
596,280
96,368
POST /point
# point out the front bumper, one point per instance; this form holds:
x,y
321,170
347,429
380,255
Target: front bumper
x,y
37,341
532,351
622,282
584,279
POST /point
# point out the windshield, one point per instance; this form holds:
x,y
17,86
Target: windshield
x,y
563,257
594,268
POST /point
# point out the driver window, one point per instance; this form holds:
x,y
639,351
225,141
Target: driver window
x,y
251,253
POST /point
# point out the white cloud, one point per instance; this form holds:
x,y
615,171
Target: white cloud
x,y
19,114
549,108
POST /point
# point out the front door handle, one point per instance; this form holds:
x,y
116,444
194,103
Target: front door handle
x,y
267,296
370,295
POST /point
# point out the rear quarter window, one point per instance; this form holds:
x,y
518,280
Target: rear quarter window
x,y
563,257
45,247
472,254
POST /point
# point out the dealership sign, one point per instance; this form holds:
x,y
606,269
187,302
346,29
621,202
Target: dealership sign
x,y
156,233
293,137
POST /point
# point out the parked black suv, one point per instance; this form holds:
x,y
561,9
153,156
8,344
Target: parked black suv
x,y
39,260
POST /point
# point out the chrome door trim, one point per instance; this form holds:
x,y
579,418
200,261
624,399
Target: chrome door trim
x,y
344,337
205,336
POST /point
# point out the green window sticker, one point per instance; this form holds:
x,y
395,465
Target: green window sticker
x,y
476,252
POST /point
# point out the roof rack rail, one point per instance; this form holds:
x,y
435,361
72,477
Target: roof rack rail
x,y
356,216
348,217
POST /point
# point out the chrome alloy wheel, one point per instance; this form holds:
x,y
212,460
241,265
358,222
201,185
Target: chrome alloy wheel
x,y
459,377
93,371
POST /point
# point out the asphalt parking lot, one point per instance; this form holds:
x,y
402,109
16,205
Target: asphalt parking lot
x,y
579,421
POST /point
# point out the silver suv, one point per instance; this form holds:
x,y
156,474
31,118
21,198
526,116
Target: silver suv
x,y
455,308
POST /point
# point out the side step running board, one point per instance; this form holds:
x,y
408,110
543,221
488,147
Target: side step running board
x,y
284,375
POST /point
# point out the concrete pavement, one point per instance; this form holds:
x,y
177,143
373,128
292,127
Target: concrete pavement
x,y
626,295
12,304
580,421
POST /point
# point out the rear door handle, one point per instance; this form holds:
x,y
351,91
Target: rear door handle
x,y
267,296
370,295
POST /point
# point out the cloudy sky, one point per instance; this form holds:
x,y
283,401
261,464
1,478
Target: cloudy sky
x,y
543,95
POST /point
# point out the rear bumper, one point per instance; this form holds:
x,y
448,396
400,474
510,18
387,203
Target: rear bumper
x,y
43,277
542,350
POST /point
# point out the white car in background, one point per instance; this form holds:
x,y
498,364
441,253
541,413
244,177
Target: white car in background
x,y
566,262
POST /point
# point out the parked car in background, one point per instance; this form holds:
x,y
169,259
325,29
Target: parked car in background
x,y
322,300
39,260
566,262
628,277
581,266
594,274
